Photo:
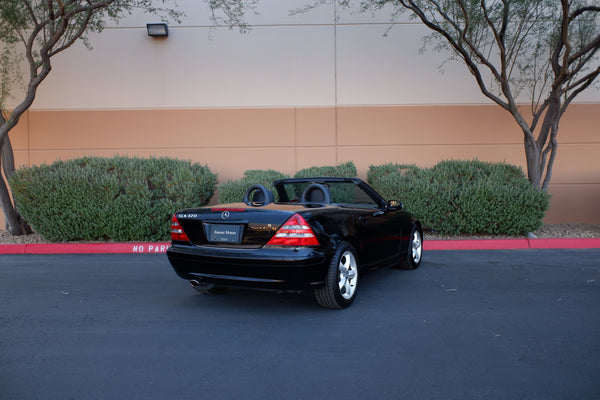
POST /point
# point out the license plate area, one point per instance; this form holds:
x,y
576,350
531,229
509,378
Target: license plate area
x,y
223,233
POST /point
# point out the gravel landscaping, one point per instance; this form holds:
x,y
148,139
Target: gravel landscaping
x,y
547,231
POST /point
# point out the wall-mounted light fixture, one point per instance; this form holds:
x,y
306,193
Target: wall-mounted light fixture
x,y
158,30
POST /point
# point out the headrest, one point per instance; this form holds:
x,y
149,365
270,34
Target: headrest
x,y
316,193
258,195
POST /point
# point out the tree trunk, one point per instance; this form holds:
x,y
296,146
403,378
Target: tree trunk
x,y
15,224
533,156
540,152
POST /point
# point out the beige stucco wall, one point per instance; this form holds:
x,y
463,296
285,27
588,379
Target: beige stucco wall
x,y
295,91
231,141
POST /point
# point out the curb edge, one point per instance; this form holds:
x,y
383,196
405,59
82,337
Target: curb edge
x,y
161,247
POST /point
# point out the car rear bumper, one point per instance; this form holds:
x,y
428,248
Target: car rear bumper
x,y
268,268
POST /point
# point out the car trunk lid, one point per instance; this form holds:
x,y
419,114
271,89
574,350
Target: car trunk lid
x,y
233,225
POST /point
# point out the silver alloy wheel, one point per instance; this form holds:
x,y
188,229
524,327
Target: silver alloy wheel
x,y
341,282
348,275
417,247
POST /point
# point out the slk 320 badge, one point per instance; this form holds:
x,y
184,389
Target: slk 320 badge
x,y
187,216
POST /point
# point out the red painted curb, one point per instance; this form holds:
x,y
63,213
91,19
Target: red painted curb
x,y
511,244
13,248
484,244
161,247
564,243
85,248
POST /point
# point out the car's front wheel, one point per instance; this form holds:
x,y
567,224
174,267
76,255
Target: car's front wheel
x,y
341,281
414,253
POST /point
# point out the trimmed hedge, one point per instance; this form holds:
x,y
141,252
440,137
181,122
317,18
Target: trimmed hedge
x,y
472,197
338,194
346,170
118,198
124,199
233,191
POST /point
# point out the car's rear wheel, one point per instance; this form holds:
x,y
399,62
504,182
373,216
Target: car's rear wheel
x,y
414,253
341,281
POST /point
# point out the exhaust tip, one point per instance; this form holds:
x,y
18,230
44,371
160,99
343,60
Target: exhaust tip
x,y
194,283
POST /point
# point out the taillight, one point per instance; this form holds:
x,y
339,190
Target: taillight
x,y
177,232
295,232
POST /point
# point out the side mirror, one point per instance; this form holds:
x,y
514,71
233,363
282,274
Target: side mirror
x,y
394,205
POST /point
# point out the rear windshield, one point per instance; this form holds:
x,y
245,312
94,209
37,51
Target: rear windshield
x,y
342,193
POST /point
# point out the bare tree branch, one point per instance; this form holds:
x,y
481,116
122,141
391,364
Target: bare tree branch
x,y
44,29
460,50
551,51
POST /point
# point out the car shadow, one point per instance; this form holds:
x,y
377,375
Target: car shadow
x,y
235,298
372,285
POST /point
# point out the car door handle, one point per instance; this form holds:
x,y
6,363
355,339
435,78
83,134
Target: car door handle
x,y
363,219
377,213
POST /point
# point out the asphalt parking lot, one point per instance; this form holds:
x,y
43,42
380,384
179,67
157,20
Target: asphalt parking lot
x,y
503,324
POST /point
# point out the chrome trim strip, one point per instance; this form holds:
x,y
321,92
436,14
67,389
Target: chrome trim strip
x,y
236,278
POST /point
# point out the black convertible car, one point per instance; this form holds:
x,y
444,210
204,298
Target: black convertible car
x,y
314,234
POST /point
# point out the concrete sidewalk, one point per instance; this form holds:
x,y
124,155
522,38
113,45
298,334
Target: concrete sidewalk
x,y
161,247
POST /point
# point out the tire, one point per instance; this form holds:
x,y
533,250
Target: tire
x,y
341,281
414,253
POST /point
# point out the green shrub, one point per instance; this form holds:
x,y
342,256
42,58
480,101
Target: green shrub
x,y
346,170
340,194
465,196
233,191
116,198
